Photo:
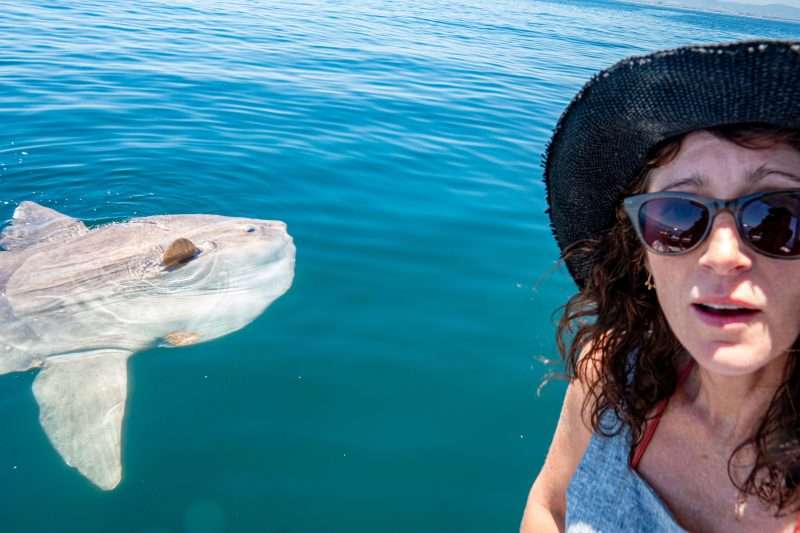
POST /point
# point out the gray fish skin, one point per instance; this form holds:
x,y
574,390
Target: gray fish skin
x,y
77,303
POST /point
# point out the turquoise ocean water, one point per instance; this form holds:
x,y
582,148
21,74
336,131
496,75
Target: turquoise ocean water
x,y
393,388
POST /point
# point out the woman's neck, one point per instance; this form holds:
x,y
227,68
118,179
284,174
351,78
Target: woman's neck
x,y
731,407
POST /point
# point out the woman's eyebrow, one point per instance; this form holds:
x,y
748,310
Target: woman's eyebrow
x,y
696,180
763,171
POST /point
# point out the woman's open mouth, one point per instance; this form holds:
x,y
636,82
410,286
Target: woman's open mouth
x,y
721,315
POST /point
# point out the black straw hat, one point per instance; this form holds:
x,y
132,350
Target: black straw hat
x,y
604,137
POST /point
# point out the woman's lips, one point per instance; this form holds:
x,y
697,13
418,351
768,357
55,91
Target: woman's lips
x,y
722,317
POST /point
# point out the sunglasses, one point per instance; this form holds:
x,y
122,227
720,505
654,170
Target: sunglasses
x,y
675,223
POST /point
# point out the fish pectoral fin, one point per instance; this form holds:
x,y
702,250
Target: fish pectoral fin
x,y
81,406
33,223
180,252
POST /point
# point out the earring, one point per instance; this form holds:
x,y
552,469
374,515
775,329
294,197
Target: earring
x,y
649,282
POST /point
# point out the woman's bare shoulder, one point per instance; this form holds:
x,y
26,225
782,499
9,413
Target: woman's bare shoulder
x,y
547,498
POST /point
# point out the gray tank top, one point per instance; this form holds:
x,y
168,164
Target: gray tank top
x,y
606,495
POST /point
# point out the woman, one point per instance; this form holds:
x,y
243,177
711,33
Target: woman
x,y
674,194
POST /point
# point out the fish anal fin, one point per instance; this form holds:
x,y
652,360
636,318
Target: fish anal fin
x,y
33,223
81,407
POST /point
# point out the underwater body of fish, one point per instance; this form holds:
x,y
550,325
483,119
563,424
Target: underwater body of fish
x,y
78,302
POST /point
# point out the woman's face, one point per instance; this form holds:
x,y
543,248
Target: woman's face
x,y
762,293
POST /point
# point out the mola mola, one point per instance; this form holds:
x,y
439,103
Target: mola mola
x,y
78,302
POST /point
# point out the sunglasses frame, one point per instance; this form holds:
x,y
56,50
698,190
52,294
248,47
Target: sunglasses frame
x,y
633,204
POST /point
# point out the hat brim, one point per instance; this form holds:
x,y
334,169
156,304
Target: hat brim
x,y
603,138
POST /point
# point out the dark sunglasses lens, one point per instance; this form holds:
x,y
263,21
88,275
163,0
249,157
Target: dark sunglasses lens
x,y
770,224
672,225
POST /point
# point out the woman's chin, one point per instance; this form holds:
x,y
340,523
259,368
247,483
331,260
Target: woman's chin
x,y
728,359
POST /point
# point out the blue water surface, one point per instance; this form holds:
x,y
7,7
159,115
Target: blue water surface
x,y
393,388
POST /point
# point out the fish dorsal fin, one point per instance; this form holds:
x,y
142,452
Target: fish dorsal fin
x,y
180,252
33,223
81,405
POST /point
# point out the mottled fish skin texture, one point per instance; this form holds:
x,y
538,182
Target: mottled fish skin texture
x,y
76,303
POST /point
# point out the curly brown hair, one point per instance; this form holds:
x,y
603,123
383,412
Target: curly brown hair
x,y
614,316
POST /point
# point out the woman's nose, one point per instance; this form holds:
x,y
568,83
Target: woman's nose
x,y
724,252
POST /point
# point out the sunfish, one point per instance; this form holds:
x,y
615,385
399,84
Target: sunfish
x,y
78,302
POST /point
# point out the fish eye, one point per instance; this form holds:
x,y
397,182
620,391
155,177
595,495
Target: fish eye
x,y
250,229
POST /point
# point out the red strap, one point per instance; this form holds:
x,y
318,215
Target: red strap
x,y
797,524
652,424
649,431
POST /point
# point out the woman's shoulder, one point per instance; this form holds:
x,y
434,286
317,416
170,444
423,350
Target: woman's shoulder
x,y
570,441
547,497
